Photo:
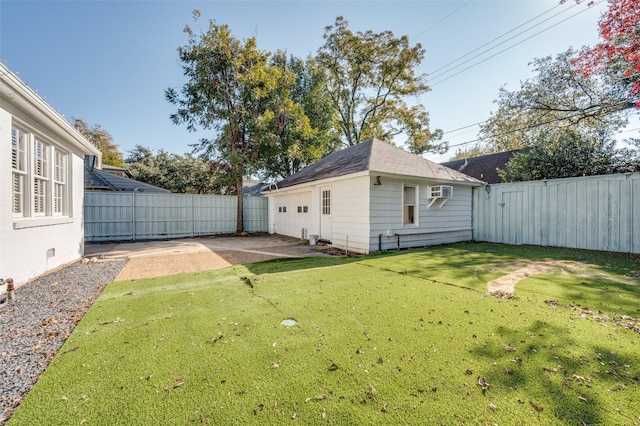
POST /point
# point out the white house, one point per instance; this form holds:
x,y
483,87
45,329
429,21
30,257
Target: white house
x,y
41,184
374,196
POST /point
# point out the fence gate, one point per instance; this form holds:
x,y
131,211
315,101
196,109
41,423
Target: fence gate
x,y
512,217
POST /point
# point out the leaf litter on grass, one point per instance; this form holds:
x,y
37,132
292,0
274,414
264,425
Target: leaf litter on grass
x,y
375,341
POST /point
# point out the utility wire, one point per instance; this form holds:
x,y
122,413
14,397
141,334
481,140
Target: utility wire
x,y
501,36
510,47
528,127
464,127
442,19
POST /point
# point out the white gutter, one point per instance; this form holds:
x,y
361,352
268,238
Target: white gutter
x,y
23,97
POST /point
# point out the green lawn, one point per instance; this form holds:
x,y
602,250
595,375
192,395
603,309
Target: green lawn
x,y
409,338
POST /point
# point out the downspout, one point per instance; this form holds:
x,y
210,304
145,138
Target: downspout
x,y
473,211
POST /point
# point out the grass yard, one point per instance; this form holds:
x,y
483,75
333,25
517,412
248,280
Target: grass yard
x,y
397,338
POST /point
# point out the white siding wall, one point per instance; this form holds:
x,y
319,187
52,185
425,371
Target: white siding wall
x,y
361,211
291,222
33,250
350,213
434,225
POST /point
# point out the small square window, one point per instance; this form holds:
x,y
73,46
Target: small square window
x,y
299,209
305,209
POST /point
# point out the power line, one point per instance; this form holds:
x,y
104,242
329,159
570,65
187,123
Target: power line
x,y
464,127
528,127
501,36
510,47
442,19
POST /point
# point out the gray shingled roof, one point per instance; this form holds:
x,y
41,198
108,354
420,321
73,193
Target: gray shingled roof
x,y
483,167
378,157
99,180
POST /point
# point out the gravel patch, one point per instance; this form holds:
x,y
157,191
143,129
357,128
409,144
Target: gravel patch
x,y
34,327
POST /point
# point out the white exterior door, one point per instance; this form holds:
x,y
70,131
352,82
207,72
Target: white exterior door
x,y
325,213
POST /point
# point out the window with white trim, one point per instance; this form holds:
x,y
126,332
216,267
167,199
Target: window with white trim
x,y
326,202
18,170
40,173
40,177
59,183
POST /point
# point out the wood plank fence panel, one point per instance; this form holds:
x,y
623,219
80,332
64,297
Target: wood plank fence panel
x,y
128,216
595,212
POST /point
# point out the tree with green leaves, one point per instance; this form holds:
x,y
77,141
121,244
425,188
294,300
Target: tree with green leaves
x,y
180,174
369,77
555,99
234,91
567,153
102,140
307,128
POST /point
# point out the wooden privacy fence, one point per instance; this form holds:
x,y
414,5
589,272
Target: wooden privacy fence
x,y
595,212
119,216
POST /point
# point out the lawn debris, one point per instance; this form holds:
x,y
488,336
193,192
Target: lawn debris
x,y
247,281
537,407
214,340
493,406
333,367
502,294
510,348
483,384
371,394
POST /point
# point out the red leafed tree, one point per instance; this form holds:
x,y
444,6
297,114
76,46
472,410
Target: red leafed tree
x,y
619,50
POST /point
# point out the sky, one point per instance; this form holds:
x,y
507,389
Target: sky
x,y
109,62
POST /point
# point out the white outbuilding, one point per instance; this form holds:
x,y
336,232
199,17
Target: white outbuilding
x,y
41,184
371,197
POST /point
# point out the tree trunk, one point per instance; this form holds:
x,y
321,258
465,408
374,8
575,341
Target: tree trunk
x,y
240,215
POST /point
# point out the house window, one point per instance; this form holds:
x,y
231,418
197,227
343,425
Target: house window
x,y
59,183
40,177
409,205
326,202
18,170
39,174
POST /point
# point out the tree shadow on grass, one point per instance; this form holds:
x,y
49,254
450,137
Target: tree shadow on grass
x,y
544,366
296,264
598,295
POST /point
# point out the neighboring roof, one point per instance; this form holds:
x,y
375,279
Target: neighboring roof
x,y
483,167
99,180
120,171
14,91
254,190
375,156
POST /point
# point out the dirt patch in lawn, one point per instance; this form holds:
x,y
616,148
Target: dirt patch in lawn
x,y
505,285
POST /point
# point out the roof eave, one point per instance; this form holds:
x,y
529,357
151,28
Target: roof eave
x,y
17,92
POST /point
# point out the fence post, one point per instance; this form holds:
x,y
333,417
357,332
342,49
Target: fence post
x,y
133,215
193,216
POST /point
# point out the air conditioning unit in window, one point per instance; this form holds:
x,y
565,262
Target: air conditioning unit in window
x,y
441,191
